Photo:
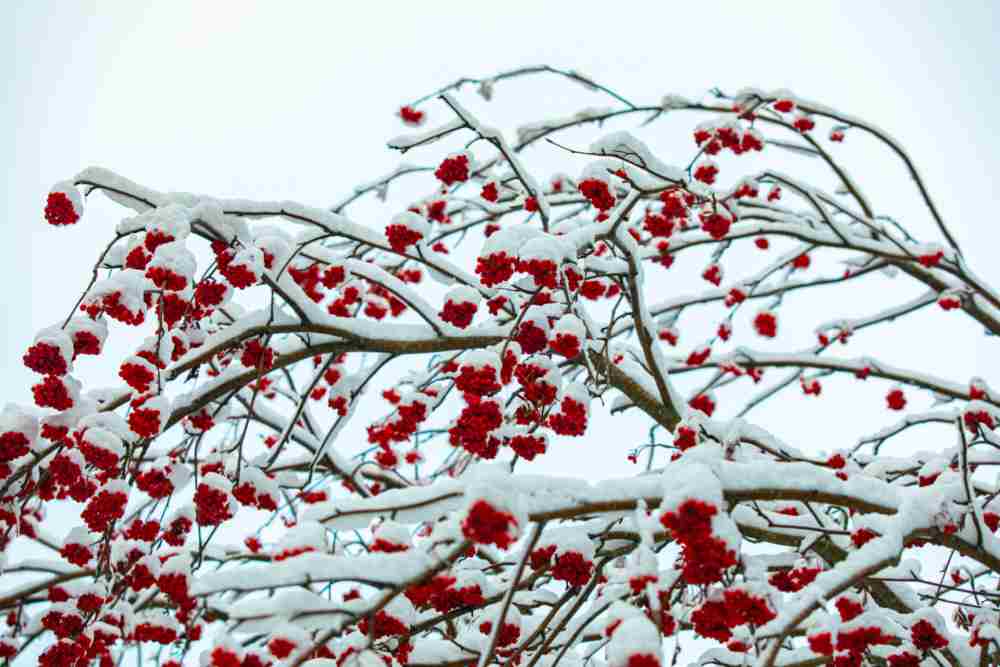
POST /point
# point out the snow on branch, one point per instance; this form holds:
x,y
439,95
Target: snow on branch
x,y
320,443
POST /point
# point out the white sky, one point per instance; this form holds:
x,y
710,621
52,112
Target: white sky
x,y
295,101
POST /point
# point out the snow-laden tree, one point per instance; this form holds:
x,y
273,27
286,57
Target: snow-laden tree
x,y
501,312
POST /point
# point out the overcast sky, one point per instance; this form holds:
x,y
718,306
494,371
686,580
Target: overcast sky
x,y
284,100
296,100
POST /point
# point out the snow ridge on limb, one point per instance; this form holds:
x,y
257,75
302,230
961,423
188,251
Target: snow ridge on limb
x,y
258,334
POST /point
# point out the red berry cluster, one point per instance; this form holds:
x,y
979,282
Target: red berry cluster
x,y
63,653
402,237
543,271
702,402
59,210
794,579
137,375
52,392
975,418
281,647
535,387
453,170
77,554
531,337
926,637
766,324
485,524
45,359
148,632
239,275
459,314
717,225
495,268
442,595
490,192
570,419
597,192
13,444
145,422
529,446
211,505
566,344
848,608
62,624
716,618
863,536
853,642
177,531
386,625
508,634
705,556
732,137
473,430
706,173
407,420
573,568
713,274
643,660
411,116
104,509
895,399
155,482
481,381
